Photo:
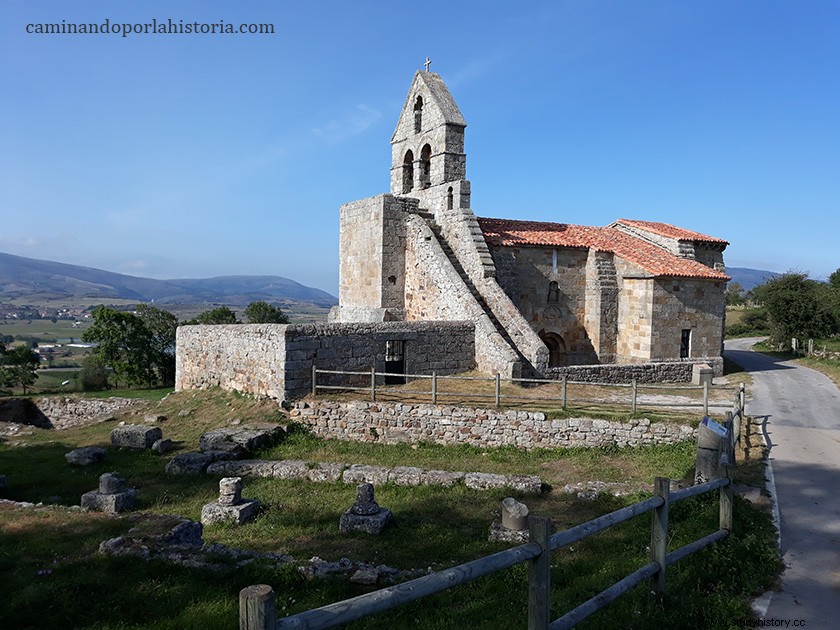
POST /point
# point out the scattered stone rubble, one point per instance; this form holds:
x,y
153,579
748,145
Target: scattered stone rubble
x,y
179,541
241,440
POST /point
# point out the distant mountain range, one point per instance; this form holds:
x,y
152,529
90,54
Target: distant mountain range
x,y
24,277
750,278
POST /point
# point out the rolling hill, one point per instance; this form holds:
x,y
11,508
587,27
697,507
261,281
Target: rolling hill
x,y
24,277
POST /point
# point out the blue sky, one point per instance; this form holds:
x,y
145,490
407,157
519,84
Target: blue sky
x,y
175,156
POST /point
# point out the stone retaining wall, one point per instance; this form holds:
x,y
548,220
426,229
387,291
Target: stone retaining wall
x,y
60,412
661,372
392,423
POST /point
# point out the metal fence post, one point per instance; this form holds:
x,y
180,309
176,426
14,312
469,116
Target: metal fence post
x,y
257,610
564,391
539,574
498,389
314,380
705,398
742,397
373,383
659,538
634,391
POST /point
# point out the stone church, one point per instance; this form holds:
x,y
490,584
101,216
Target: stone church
x,y
541,295
426,286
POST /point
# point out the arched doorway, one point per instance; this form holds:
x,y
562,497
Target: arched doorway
x,y
556,348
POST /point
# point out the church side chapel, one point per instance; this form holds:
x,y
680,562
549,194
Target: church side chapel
x,y
541,295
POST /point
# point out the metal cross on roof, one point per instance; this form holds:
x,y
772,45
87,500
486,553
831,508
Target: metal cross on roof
x,y
428,63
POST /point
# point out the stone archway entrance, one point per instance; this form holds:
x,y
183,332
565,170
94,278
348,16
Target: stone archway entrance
x,y
556,348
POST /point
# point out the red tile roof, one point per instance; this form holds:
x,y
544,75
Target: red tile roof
x,y
653,259
671,231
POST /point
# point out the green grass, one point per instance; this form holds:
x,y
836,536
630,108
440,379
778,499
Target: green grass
x,y
55,577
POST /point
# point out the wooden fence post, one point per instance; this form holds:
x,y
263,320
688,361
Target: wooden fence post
x,y
727,463
373,383
705,398
564,392
659,538
539,574
633,402
314,380
257,608
434,388
498,389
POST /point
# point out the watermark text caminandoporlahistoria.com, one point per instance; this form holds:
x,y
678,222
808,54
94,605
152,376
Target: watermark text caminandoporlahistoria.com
x,y
155,27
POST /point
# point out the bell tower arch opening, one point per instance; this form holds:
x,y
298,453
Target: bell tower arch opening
x,y
408,172
425,166
418,114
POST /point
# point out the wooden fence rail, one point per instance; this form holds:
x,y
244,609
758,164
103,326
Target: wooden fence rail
x,y
257,605
435,393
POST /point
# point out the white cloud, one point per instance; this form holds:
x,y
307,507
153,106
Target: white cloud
x,y
351,124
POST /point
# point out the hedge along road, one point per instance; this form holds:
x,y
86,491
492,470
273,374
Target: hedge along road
x,y
802,412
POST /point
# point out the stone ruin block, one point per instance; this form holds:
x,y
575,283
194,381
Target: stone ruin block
x,y
405,475
163,446
112,496
230,507
241,440
365,515
702,373
325,471
291,469
362,473
441,478
135,436
194,463
242,468
514,525
86,456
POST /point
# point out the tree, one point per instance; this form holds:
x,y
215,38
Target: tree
x,y
162,327
265,313
94,374
834,280
123,343
219,315
19,365
734,294
796,307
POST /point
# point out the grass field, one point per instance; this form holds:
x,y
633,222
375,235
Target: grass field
x,y
54,575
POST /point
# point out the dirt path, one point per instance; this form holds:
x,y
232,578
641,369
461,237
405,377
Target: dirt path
x,y
802,411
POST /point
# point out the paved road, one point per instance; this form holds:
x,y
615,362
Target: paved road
x,y
802,409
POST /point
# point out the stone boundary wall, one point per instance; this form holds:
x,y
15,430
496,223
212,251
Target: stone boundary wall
x,y
660,372
61,412
394,423
276,360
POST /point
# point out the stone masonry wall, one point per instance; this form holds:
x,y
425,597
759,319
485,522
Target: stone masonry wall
x,y
434,290
676,371
276,360
394,423
692,304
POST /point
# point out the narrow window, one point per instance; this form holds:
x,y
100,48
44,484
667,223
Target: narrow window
x,y
553,291
425,166
418,114
554,261
449,199
408,172
685,343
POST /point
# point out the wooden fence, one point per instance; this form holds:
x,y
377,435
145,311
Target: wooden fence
x,y
257,609
435,394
